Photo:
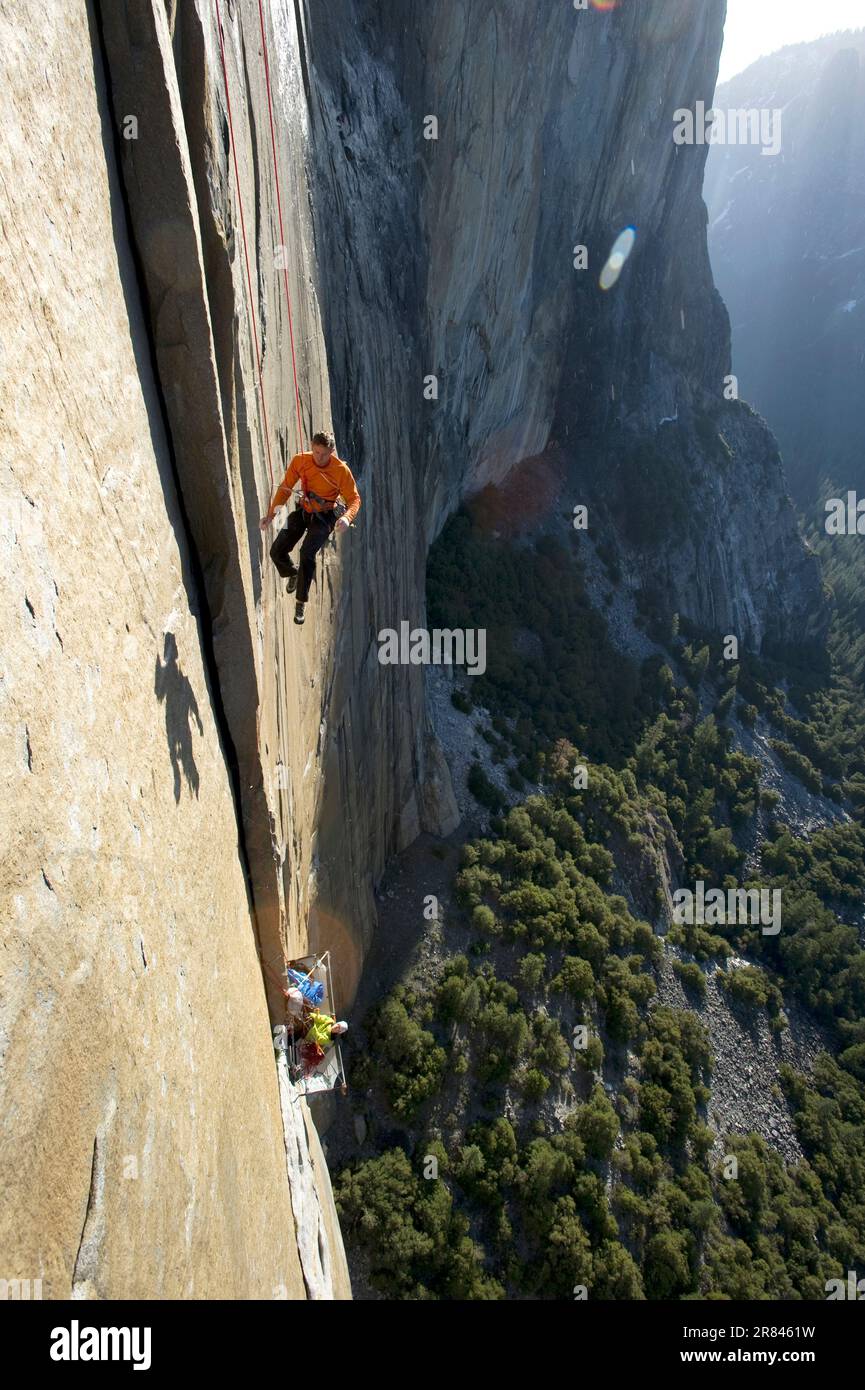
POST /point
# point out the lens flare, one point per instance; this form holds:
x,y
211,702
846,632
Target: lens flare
x,y
524,496
605,5
622,248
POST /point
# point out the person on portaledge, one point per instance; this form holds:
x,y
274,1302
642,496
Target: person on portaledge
x,y
324,479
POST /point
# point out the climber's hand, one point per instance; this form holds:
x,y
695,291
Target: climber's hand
x,y
265,521
343,524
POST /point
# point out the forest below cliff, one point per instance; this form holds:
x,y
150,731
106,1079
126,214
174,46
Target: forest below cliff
x,y
511,1162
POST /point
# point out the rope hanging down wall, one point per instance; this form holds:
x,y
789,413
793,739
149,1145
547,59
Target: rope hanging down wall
x,y
282,245
245,243
282,242
278,981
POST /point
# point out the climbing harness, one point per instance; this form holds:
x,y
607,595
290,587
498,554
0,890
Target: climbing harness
x,y
326,502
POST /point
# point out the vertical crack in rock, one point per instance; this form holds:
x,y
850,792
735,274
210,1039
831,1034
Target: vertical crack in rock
x,y
86,1256
212,554
86,1268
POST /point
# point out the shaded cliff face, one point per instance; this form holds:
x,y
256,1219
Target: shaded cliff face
x,y
787,239
555,130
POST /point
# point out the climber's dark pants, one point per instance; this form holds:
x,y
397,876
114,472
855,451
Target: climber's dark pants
x,y
318,527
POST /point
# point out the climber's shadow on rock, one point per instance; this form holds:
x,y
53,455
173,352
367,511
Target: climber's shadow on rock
x,y
172,686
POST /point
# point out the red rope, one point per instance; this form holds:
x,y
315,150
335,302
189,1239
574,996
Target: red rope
x,y
281,229
280,983
245,244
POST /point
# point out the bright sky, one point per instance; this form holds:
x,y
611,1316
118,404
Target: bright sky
x,y
757,27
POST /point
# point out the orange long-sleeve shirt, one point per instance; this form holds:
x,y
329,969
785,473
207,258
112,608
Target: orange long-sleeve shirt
x,y
331,482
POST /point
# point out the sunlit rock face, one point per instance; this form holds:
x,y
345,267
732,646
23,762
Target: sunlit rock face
x,y
143,1146
787,240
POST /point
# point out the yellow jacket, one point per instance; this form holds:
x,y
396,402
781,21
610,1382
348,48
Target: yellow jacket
x,y
319,1030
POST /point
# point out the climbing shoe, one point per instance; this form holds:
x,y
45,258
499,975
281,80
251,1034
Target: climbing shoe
x,y
299,612
291,583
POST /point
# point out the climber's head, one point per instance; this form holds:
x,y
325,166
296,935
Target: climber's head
x,y
323,445
339,1028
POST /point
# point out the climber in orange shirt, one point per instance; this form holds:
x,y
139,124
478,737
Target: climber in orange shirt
x,y
324,479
